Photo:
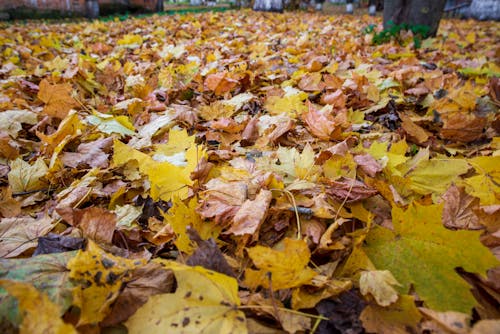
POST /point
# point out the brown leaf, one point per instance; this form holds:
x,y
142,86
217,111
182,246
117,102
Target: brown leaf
x,y
57,99
251,214
320,121
146,281
311,82
222,200
337,99
415,132
220,83
458,210
17,235
8,148
462,127
208,254
250,133
91,154
368,164
9,207
96,223
347,189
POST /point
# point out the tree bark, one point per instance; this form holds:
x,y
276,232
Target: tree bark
x,y
92,9
268,5
414,12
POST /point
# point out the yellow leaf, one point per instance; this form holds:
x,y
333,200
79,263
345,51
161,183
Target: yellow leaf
x,y
101,275
68,128
180,216
338,166
485,185
283,269
40,315
130,41
204,302
26,177
292,104
170,176
379,284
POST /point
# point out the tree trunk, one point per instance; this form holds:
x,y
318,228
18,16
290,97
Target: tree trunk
x,y
414,12
92,9
268,5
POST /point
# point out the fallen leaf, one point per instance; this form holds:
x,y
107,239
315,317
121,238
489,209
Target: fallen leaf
x,y
203,301
57,99
208,255
320,121
31,301
251,214
55,243
104,275
96,223
379,284
47,273
422,253
91,154
458,209
9,207
17,235
11,121
145,281
24,177
397,318
283,269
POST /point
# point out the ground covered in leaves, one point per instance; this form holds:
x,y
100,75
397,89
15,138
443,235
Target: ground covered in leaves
x,y
249,172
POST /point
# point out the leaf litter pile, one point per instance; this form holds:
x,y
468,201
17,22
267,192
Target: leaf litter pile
x,y
248,172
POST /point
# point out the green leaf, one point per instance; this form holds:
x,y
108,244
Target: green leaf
x,y
422,253
48,273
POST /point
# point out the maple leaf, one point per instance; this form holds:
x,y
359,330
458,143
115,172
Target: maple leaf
x,y
103,274
180,216
421,252
204,301
47,273
20,234
394,319
57,99
379,284
11,121
31,301
26,177
283,269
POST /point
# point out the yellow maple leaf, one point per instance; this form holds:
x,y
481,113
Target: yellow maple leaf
x,y
180,216
292,103
40,315
486,184
103,275
169,174
204,302
283,269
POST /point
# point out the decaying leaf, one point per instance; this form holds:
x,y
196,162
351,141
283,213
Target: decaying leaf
x,y
203,301
104,275
17,235
31,301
